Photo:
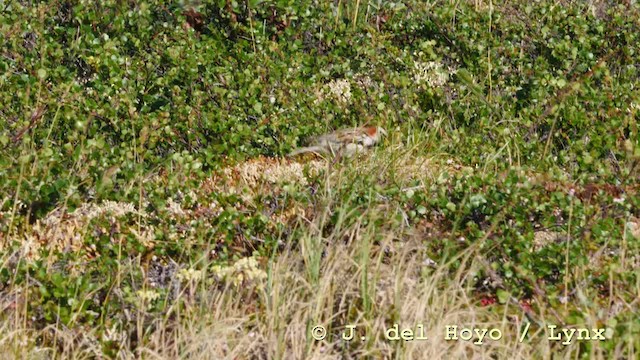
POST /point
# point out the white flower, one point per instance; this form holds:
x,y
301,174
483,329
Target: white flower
x,y
245,270
340,90
147,295
190,274
430,73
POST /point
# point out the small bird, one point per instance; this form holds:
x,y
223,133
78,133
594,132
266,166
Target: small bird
x,y
344,142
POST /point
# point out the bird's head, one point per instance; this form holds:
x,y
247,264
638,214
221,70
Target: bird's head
x,y
376,132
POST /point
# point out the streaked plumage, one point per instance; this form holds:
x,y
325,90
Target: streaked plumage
x,y
345,142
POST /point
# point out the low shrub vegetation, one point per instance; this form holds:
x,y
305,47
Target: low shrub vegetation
x,y
148,208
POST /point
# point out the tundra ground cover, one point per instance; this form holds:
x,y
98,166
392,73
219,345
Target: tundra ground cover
x,y
146,208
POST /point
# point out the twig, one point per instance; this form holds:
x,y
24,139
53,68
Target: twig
x,y
35,117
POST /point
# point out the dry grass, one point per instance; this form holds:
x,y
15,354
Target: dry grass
x,y
272,320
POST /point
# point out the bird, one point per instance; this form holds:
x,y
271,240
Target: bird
x,y
344,142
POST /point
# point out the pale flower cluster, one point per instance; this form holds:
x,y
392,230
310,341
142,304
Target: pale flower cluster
x,y
292,172
253,172
146,296
146,237
174,208
542,239
113,334
364,81
430,73
340,90
89,211
243,271
64,231
190,274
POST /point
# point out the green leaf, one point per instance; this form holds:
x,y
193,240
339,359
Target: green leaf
x,y
503,296
258,107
